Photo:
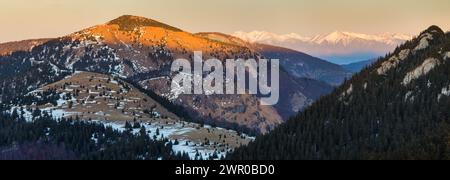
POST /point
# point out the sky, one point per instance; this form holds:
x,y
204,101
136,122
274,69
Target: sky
x,y
25,19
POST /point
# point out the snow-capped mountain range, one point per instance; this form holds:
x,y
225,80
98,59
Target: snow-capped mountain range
x,y
337,47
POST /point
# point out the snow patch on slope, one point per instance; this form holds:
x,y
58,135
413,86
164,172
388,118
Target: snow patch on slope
x,y
157,131
408,96
393,62
444,92
447,55
177,88
348,91
162,131
424,41
428,65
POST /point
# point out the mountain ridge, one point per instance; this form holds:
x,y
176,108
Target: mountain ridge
x,y
296,63
23,45
333,37
395,109
142,54
337,47
130,23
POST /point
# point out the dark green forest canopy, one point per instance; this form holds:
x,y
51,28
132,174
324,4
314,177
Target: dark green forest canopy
x,y
46,139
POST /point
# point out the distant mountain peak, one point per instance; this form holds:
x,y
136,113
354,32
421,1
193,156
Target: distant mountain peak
x,y
346,38
262,36
339,47
333,37
130,23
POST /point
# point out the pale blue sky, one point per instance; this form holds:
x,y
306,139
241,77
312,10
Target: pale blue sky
x,y
23,19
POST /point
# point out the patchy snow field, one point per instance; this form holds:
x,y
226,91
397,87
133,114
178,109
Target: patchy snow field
x,y
428,65
102,99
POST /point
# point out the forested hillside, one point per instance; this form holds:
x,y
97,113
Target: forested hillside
x,y
399,108
45,138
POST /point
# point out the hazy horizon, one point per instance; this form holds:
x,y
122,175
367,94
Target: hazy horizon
x,y
23,19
